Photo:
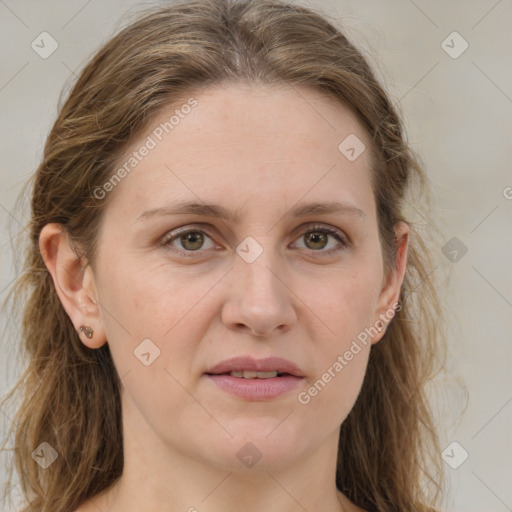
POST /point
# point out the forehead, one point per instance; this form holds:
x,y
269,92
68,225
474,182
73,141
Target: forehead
x,y
249,145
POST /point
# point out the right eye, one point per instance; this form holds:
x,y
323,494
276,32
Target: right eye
x,y
190,240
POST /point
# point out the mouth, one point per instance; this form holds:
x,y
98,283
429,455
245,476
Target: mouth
x,y
256,380
251,368
255,389
249,374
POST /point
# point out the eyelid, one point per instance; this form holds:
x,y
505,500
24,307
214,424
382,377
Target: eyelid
x,y
337,233
174,233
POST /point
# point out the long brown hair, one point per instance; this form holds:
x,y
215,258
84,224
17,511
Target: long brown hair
x,y
389,456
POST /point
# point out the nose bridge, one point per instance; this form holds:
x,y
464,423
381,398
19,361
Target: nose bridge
x,y
259,299
258,268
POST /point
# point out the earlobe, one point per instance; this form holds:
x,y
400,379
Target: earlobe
x,y
388,303
74,284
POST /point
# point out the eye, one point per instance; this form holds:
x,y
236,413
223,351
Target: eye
x,y
317,238
189,240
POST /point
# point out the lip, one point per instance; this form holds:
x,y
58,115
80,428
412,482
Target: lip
x,y
267,364
256,389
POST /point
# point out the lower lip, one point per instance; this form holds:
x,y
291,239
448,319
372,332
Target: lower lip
x,y
256,389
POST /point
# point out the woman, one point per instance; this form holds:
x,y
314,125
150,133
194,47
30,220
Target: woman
x,y
220,314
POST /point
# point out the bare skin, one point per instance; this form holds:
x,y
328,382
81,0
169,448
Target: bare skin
x,y
259,152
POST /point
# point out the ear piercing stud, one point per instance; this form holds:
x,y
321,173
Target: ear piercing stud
x,y
87,330
381,328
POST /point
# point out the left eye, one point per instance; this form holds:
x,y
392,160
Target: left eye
x,y
192,240
319,235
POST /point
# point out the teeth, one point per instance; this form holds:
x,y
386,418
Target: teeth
x,y
253,375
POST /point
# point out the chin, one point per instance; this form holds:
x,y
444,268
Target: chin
x,y
263,445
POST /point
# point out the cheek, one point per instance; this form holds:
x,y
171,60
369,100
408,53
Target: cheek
x,y
347,302
342,356
144,300
153,329
333,392
138,305
346,306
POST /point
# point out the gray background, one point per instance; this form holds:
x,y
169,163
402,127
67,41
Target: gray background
x,y
458,117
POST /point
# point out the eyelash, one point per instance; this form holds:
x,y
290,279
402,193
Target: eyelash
x,y
171,236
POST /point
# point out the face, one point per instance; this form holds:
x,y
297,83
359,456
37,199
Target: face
x,y
180,293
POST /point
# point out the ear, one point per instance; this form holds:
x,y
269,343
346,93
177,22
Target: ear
x,y
390,293
74,282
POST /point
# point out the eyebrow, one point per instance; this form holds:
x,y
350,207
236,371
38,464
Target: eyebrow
x,y
217,211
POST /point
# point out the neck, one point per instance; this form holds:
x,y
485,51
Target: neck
x,y
164,478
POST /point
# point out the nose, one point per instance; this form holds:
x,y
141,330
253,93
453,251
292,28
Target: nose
x,y
259,300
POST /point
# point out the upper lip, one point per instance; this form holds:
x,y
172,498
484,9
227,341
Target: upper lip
x,y
268,364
